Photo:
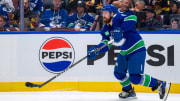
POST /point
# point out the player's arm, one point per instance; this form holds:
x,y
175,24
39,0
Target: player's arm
x,y
117,4
90,21
105,39
70,21
92,54
106,36
64,19
44,17
40,6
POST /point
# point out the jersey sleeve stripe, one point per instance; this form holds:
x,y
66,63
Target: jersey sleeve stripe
x,y
90,24
105,42
132,17
71,24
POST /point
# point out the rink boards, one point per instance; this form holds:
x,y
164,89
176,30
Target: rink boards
x,y
23,58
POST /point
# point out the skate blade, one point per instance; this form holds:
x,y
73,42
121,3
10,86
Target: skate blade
x,y
168,86
127,99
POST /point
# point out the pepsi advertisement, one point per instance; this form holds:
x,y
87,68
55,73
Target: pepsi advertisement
x,y
56,54
39,56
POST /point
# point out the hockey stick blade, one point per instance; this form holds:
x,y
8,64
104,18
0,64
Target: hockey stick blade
x,y
31,85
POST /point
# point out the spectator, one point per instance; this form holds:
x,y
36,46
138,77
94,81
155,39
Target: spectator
x,y
30,18
178,4
178,12
138,10
173,10
146,2
97,24
2,23
65,4
4,13
37,6
151,23
93,6
152,3
8,4
161,7
81,20
55,17
109,1
72,7
6,9
139,6
175,24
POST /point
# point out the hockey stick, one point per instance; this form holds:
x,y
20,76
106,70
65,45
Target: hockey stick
x,y
32,85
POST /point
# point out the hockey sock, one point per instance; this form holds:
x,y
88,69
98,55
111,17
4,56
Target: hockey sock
x,y
148,81
126,83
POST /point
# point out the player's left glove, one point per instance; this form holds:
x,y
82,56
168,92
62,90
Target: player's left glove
x,y
91,53
117,34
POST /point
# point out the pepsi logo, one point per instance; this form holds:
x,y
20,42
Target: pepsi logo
x,y
56,54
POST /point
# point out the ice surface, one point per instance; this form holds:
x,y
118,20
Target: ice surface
x,y
79,96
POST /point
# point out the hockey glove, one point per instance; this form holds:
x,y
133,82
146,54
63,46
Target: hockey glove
x,y
117,34
92,54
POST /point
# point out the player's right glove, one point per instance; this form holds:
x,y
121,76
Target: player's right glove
x,y
92,54
117,34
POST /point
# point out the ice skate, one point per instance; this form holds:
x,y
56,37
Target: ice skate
x,y
168,86
128,94
163,89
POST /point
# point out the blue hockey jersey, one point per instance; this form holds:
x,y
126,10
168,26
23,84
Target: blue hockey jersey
x,y
52,17
3,12
36,5
132,41
84,22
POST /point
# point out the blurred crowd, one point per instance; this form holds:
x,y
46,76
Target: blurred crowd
x,y
85,15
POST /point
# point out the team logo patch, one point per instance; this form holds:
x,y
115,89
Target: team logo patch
x,y
56,54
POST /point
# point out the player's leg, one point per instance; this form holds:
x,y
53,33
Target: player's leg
x,y
148,81
120,71
136,70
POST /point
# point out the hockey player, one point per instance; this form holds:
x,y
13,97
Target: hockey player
x,y
131,58
55,17
81,20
